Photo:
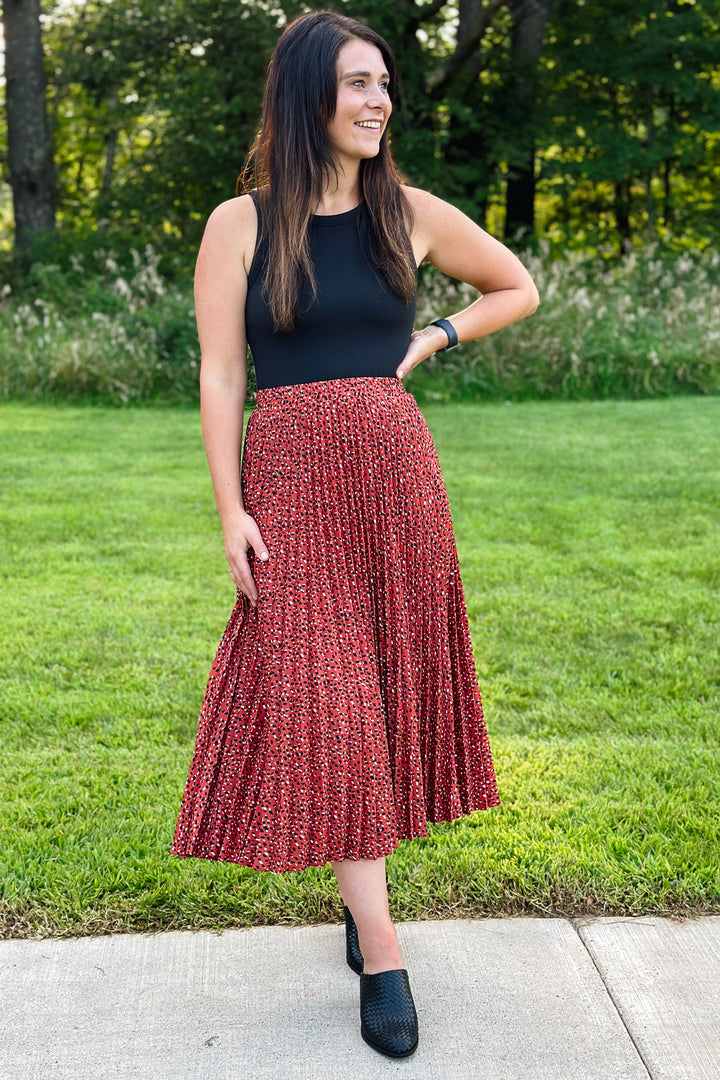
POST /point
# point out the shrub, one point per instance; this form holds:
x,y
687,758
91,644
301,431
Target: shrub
x,y
105,332
111,328
647,325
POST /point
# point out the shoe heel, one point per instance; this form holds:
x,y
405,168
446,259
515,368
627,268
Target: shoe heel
x,y
352,945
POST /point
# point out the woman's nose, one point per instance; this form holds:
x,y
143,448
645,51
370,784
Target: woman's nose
x,y
378,97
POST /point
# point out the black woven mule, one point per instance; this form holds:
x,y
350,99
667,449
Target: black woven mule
x,y
388,1021
352,945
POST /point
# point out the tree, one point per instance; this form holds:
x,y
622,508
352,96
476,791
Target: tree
x,y
530,19
156,107
30,154
591,123
635,118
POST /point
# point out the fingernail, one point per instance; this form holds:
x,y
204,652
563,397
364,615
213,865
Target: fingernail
x,y
264,556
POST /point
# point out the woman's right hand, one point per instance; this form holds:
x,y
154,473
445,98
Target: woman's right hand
x,y
243,535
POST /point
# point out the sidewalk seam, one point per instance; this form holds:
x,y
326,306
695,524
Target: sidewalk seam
x,y
576,924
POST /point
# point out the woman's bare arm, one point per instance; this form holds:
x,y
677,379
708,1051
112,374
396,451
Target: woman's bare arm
x,y
460,248
220,293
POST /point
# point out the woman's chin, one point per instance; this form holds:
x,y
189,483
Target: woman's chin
x,y
371,150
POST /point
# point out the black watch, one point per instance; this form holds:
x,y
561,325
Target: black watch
x,y
451,334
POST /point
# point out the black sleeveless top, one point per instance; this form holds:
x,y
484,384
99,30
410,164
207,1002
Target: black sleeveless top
x,y
356,327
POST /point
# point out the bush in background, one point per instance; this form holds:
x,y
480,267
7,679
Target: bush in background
x,y
119,328
99,330
646,325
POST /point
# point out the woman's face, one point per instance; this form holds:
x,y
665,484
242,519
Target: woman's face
x,y
363,102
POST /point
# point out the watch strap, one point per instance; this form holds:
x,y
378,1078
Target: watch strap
x,y
449,329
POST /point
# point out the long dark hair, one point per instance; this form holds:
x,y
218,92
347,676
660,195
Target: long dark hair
x,y
292,156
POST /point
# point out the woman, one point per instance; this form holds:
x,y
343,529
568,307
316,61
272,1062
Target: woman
x,y
342,712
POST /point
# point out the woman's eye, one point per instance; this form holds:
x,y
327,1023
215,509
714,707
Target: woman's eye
x,y
384,86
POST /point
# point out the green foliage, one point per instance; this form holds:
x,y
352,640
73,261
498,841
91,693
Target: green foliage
x,y
587,536
632,119
644,325
155,105
118,326
100,327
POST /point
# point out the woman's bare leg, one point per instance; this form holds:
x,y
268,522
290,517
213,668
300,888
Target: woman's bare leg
x,y
363,887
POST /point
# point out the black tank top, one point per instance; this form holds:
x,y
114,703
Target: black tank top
x,y
356,327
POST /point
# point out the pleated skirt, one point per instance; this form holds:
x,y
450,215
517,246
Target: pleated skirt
x,y
343,713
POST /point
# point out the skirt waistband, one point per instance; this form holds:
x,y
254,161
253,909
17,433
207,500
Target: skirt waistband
x,y
334,389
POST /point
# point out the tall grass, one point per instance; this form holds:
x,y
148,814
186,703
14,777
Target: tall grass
x,y
112,328
100,330
646,325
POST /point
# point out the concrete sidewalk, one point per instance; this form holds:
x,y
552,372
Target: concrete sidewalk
x,y
497,999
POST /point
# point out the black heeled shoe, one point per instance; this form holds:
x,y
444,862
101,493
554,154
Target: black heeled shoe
x,y
388,1021
352,945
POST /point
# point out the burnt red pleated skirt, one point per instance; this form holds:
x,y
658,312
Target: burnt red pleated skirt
x,y
343,713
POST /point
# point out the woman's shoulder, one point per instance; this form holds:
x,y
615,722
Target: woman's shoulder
x,y
233,226
237,213
429,213
428,207
423,203
416,196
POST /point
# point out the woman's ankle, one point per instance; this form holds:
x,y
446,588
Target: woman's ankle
x,y
380,951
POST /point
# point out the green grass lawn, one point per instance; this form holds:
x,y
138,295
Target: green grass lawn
x,y
588,539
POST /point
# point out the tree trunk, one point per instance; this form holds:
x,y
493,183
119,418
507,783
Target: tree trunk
x,y
468,150
649,142
667,194
621,209
520,198
30,156
528,33
649,207
111,141
474,17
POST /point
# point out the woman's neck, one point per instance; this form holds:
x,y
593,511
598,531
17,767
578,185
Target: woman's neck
x,y
340,193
